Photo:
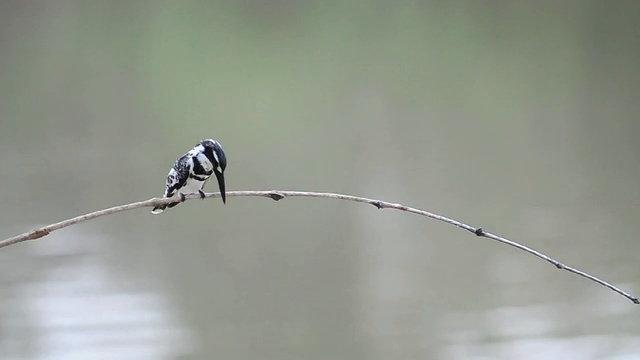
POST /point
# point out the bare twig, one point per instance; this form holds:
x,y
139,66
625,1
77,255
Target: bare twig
x,y
278,195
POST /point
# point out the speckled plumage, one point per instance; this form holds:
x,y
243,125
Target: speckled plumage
x,y
191,171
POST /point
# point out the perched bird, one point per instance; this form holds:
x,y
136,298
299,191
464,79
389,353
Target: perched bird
x,y
192,170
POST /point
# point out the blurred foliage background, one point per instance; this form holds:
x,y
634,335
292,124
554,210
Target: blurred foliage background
x,y
518,116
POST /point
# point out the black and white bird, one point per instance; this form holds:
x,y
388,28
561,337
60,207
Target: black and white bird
x,y
192,170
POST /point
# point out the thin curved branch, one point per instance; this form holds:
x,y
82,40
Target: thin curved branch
x,y
278,195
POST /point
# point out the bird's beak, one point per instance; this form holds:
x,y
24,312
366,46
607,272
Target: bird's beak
x,y
220,177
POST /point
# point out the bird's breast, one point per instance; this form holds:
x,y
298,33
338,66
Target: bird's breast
x,y
192,186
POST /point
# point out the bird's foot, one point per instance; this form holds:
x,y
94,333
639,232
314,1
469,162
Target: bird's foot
x,y
182,197
202,195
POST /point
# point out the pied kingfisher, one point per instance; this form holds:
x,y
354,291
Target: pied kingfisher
x,y
192,170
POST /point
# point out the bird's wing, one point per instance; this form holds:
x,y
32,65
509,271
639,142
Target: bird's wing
x,y
178,176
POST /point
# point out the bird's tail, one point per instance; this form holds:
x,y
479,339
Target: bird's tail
x,y
159,209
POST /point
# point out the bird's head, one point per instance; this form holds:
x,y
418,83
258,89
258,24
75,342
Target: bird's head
x,y
213,151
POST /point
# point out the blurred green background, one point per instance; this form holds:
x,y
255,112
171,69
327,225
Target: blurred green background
x,y
518,116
